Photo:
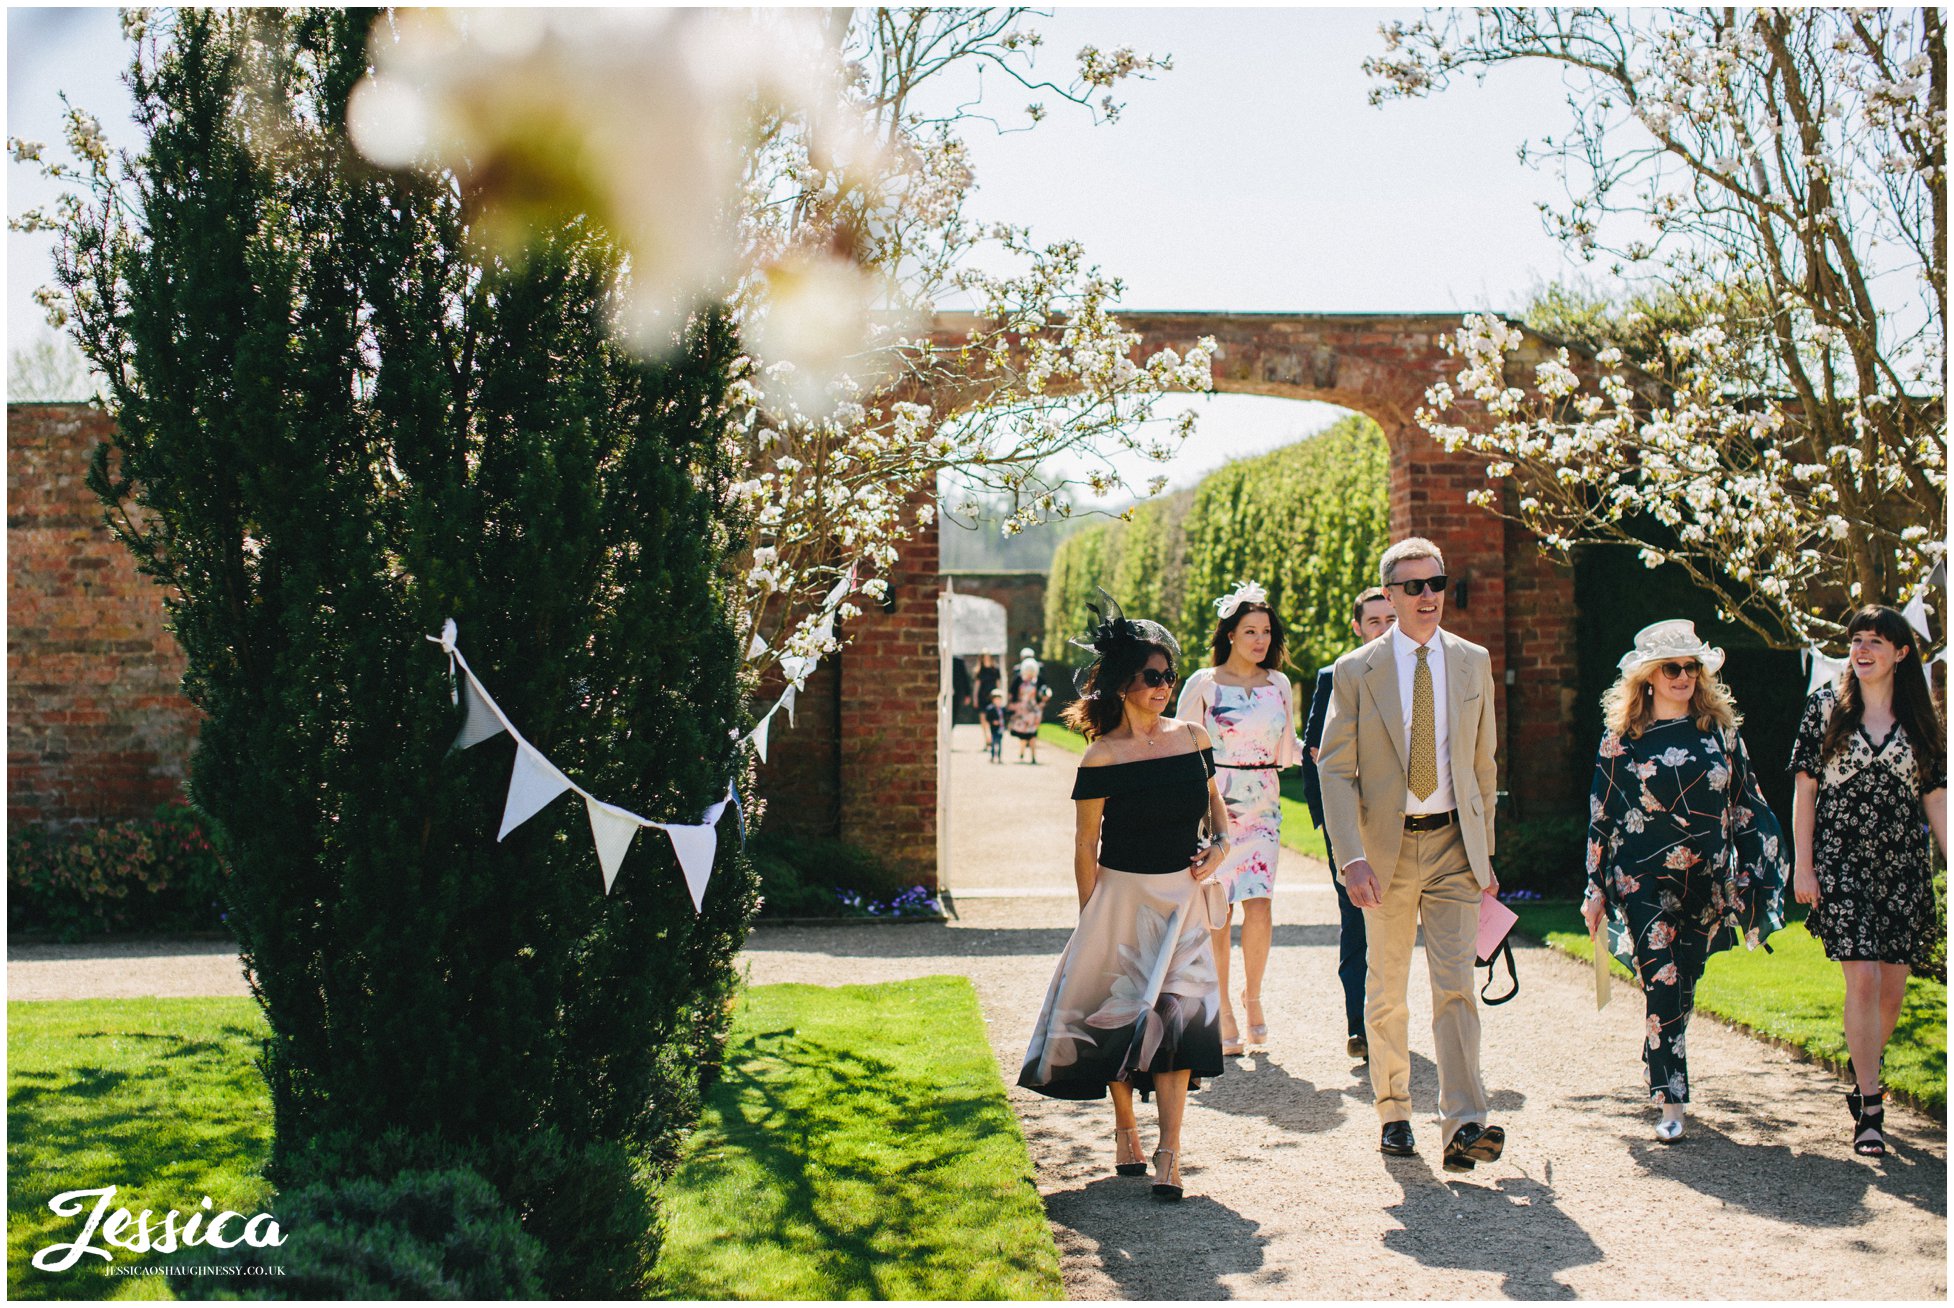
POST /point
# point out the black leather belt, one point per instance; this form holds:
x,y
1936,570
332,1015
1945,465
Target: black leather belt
x,y
1249,767
1431,821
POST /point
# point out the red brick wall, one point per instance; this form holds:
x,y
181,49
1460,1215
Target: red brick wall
x,y
889,679
1545,778
96,727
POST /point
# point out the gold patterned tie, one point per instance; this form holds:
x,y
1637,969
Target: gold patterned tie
x,y
1424,731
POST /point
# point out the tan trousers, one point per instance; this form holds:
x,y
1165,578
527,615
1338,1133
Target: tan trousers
x,y
1433,882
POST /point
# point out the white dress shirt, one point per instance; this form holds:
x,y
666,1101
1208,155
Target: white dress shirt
x,y
1440,800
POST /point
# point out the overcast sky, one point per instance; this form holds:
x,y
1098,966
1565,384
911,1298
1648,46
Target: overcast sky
x,y
1251,177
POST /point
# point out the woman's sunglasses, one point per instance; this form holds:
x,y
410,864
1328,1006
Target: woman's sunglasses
x,y
1155,678
1419,585
1681,669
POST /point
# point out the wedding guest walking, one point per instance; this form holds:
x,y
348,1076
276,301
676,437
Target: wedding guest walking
x,y
1371,616
1871,781
1028,699
1408,789
1133,1004
986,682
1243,702
993,719
1684,856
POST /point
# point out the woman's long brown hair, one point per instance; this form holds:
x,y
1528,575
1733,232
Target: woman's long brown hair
x,y
1913,703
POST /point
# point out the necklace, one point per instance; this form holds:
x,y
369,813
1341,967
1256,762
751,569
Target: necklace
x,y
1151,737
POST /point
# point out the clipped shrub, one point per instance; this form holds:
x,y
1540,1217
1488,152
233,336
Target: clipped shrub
x,y
1547,856
141,874
812,877
337,422
413,1235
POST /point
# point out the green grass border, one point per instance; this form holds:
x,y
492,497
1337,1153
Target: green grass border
x,y
858,1143
1792,997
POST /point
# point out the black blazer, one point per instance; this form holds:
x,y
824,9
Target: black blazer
x,y
1319,709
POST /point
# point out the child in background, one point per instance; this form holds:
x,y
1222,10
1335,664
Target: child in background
x,y
994,716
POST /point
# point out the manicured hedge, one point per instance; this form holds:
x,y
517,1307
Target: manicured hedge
x,y
1309,521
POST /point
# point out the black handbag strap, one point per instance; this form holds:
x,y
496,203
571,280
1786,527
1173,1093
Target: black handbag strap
x,y
1505,951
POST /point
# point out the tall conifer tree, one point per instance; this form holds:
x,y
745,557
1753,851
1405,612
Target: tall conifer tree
x,y
339,425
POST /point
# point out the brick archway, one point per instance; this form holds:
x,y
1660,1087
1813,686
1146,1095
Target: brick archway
x,y
1516,603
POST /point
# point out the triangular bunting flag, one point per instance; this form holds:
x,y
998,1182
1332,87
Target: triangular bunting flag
x,y
482,721
612,828
759,737
711,817
1916,615
1825,670
787,702
755,648
533,782
695,847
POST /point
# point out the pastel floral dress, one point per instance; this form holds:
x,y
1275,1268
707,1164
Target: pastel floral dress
x,y
1689,860
1254,734
1870,847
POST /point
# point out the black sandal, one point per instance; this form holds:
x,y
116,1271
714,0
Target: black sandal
x,y
1868,1117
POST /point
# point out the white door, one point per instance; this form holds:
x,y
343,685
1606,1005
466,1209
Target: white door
x,y
945,641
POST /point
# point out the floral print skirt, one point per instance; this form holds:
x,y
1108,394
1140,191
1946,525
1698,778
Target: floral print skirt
x,y
1254,799
1134,993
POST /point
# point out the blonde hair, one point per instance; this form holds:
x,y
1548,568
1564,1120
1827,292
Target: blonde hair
x,y
1629,706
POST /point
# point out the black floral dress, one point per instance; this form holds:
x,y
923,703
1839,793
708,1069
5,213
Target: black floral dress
x,y
1870,841
1689,860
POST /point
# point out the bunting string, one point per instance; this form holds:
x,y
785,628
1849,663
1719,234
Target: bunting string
x,y
795,668
534,782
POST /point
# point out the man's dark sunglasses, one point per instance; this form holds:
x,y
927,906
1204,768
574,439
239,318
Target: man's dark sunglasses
x,y
1155,678
1419,585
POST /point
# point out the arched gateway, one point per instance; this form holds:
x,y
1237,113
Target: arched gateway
x,y
878,744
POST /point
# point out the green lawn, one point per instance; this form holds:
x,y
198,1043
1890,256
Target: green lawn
x,y
158,1097
858,1146
1793,994
1298,832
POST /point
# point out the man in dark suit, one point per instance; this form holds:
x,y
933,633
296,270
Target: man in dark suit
x,y
1371,615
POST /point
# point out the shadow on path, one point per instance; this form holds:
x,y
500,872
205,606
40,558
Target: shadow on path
x,y
1468,1225
1154,1250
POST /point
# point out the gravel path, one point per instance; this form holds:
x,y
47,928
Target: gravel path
x,y
1288,1196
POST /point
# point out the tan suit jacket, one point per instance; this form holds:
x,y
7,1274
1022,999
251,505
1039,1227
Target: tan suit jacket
x,y
1364,755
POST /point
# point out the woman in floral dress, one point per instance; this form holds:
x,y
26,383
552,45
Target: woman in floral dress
x,y
1028,700
1684,856
1133,1004
1871,781
1243,701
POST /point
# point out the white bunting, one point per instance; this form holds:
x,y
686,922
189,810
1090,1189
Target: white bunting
x,y
695,847
1916,615
612,829
759,737
482,722
533,782
755,647
787,702
1825,669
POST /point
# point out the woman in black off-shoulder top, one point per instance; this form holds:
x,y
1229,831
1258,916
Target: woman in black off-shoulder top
x,y
1133,1004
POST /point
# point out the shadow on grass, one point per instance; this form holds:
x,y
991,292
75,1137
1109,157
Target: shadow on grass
x,y
165,1119
866,1180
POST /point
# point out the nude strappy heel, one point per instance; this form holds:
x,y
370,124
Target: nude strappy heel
x,y
1162,1187
1126,1153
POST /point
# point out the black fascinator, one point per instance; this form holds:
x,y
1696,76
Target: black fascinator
x,y
1115,631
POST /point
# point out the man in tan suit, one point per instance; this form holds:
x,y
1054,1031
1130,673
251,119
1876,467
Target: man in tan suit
x,y
1408,787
